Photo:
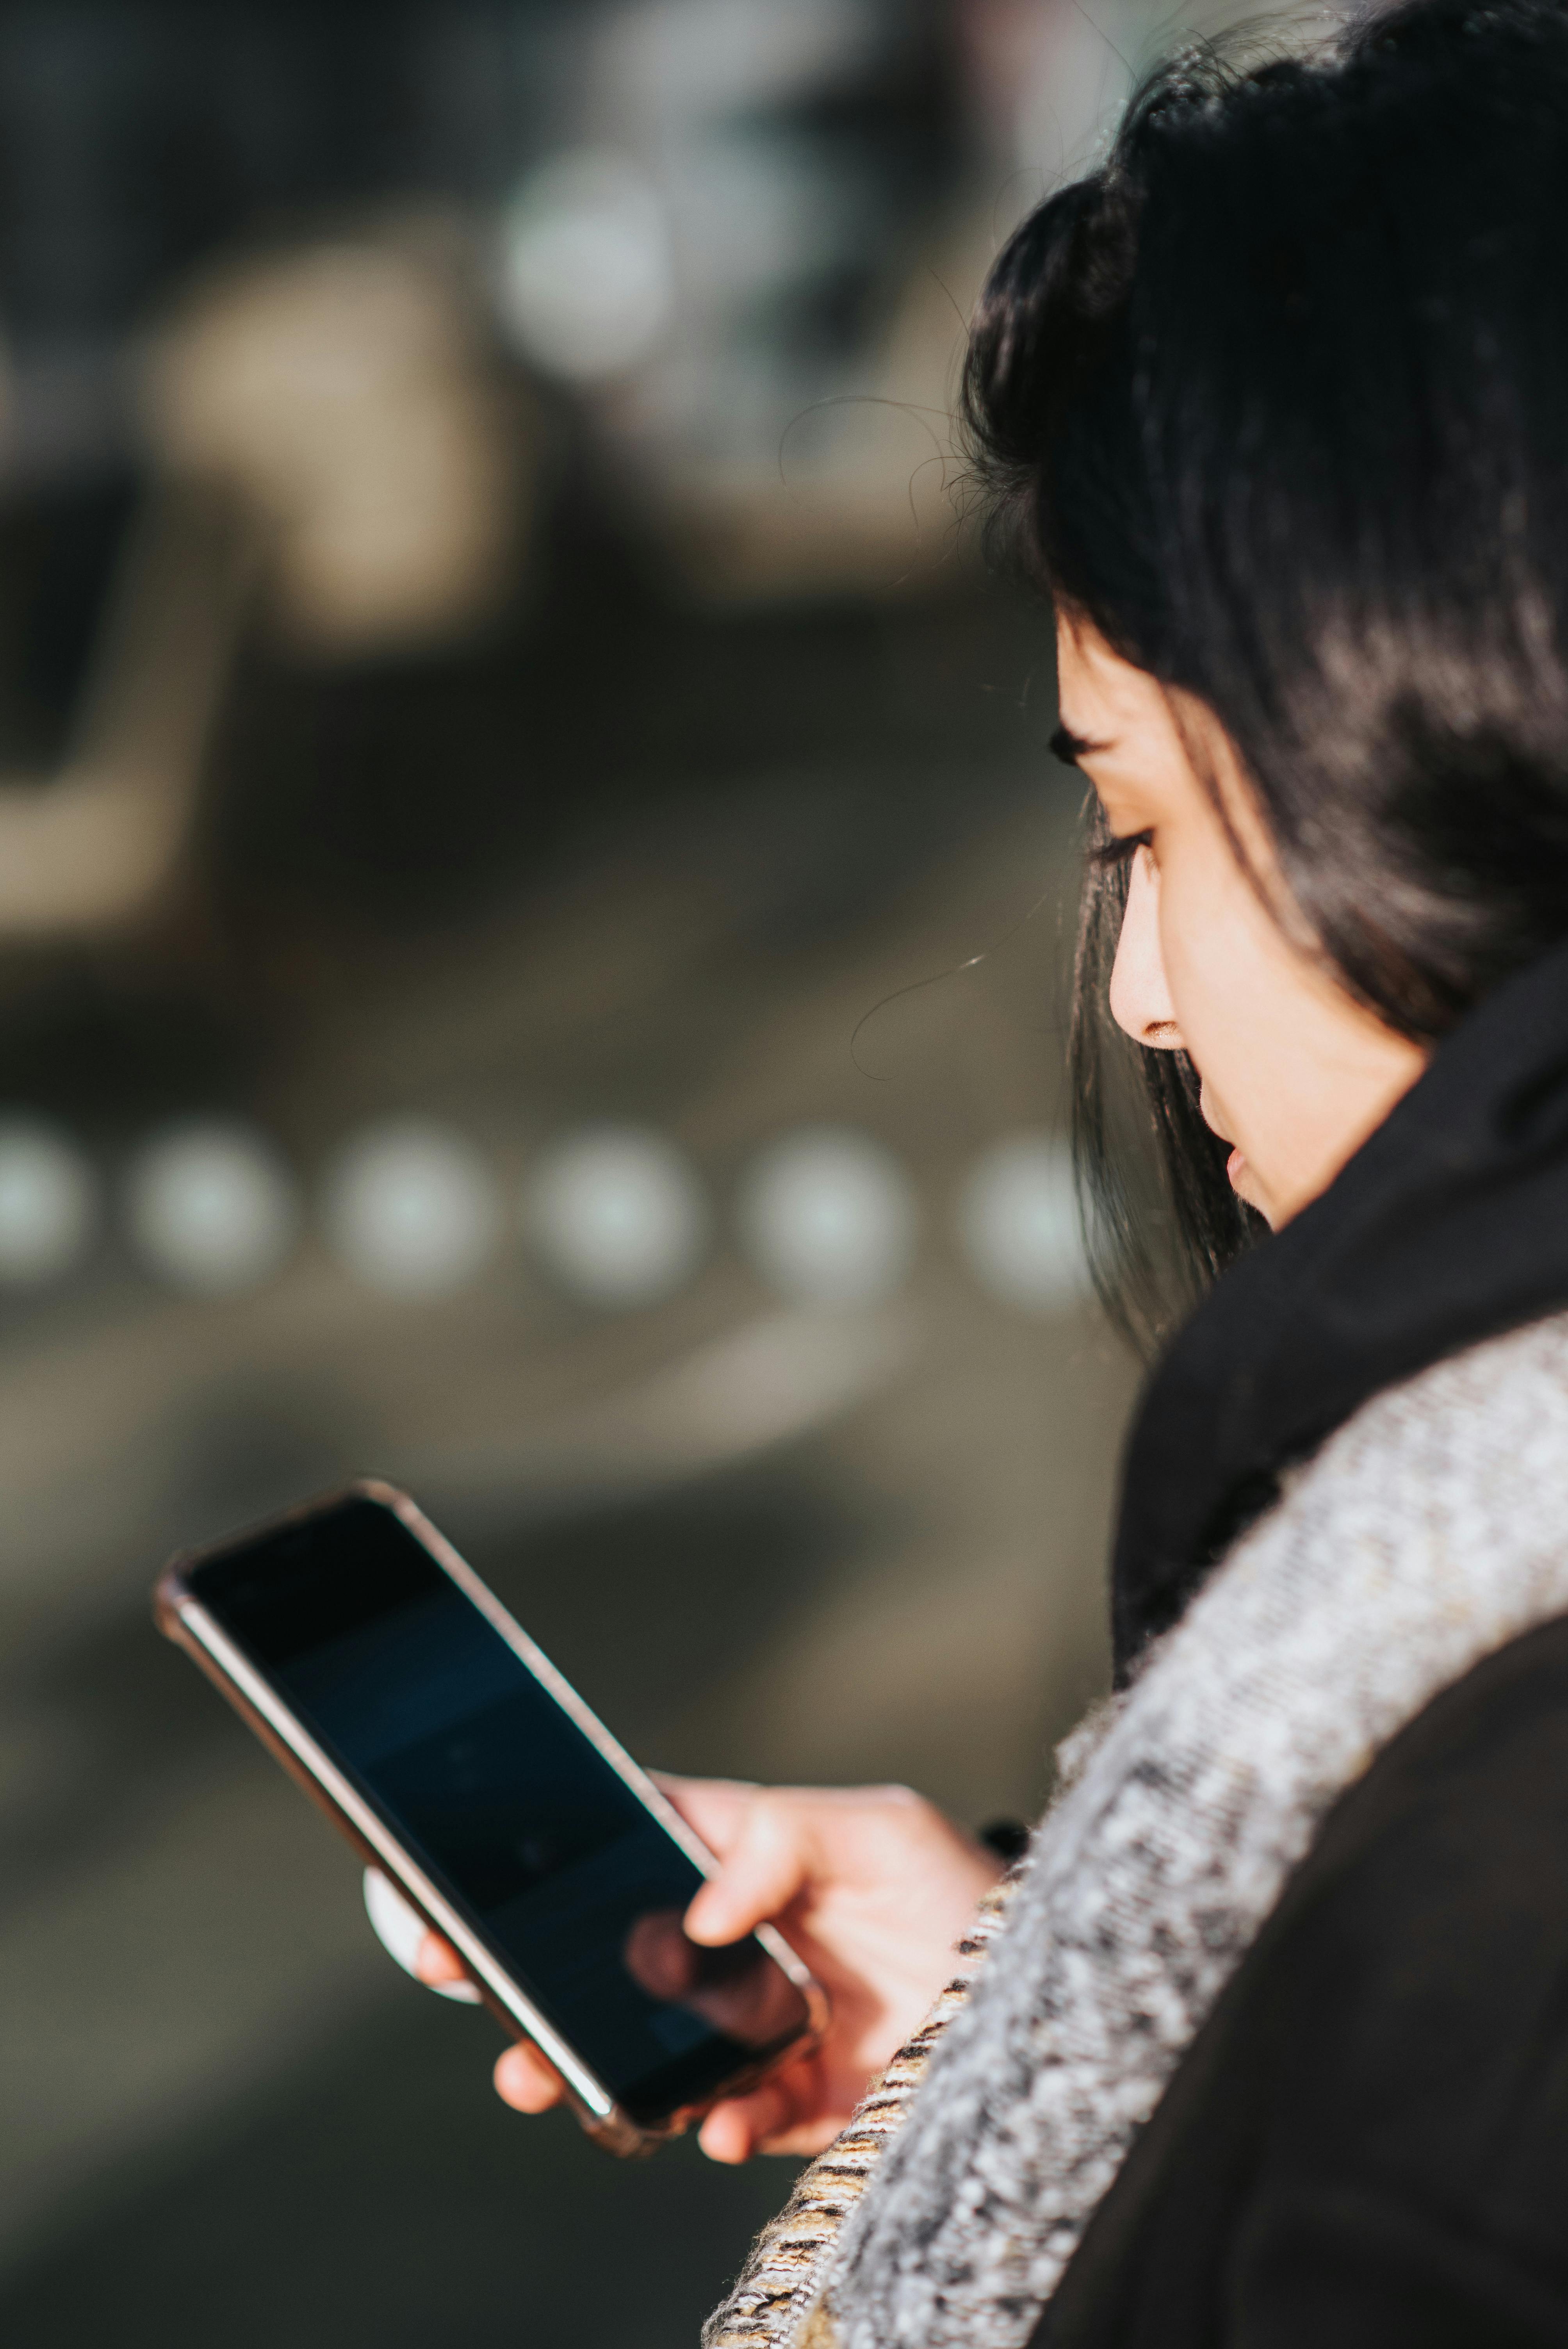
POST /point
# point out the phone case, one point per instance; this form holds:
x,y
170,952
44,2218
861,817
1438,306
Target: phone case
x,y
180,1616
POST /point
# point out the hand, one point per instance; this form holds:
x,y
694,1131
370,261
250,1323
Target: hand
x,y
870,1887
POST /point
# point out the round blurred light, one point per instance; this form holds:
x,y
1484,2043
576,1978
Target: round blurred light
x,y
413,1209
617,1215
1018,1224
211,1207
48,1202
829,1218
584,283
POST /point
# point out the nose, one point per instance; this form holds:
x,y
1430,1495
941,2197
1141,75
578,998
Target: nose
x,y
1139,998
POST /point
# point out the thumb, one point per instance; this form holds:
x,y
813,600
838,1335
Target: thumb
x,y
766,1865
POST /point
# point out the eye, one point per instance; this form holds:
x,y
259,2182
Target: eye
x,y
1122,850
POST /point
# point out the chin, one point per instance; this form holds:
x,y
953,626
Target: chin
x,y
1243,1183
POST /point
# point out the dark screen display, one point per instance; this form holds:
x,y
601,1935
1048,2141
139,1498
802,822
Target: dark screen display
x,y
502,1799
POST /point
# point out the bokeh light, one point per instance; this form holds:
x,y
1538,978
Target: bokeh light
x,y
491,691
48,1203
400,1929
829,1218
584,283
211,1207
1018,1224
412,1208
617,1215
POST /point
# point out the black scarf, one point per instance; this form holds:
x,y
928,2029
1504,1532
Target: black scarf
x,y
1449,1225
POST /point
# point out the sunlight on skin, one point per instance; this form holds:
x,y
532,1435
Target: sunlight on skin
x,y
871,1885
1295,1074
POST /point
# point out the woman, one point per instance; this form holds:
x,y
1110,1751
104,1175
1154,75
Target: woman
x,y
1266,2040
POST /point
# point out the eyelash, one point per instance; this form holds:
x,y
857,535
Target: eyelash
x,y
1112,853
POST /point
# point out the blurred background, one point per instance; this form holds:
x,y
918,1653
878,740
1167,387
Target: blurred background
x,y
533,912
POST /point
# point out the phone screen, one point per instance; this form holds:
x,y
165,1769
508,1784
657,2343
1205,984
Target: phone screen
x,y
508,1807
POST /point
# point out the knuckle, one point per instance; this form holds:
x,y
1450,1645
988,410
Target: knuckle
x,y
900,1813
774,1817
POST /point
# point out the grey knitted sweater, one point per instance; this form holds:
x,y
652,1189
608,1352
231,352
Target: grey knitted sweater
x,y
1430,1531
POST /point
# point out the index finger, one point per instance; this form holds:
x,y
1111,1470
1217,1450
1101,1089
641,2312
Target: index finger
x,y
715,1807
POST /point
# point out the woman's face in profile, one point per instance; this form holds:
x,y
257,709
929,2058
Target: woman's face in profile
x,y
1212,957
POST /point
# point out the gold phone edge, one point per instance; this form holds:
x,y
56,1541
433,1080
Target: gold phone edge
x,y
181,1618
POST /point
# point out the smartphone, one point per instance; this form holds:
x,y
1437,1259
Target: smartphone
x,y
400,1693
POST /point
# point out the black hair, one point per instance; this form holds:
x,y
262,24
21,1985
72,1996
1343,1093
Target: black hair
x,y
1277,400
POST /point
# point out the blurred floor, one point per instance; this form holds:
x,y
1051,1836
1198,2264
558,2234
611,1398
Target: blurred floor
x,y
764,1540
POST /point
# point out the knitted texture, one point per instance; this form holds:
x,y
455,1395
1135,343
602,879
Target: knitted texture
x,y
773,2295
1431,1530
